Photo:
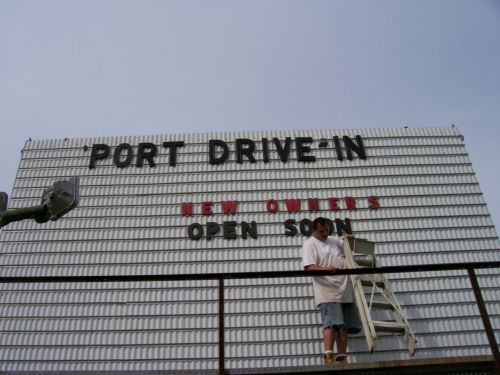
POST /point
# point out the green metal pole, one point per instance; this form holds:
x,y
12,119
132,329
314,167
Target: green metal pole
x,y
39,213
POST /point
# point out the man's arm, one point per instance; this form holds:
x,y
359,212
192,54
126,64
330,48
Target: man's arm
x,y
315,267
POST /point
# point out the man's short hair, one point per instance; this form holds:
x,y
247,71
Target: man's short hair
x,y
320,222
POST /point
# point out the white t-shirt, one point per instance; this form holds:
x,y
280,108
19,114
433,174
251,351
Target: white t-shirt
x,y
328,253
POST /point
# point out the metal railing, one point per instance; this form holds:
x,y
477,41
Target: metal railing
x,y
220,277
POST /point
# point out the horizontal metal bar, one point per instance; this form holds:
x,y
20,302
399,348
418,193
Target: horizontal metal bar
x,y
251,275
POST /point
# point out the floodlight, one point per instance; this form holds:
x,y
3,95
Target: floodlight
x,y
61,198
57,200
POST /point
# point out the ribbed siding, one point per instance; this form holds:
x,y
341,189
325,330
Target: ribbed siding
x,y
129,222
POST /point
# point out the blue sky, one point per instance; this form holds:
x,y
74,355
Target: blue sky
x,y
88,68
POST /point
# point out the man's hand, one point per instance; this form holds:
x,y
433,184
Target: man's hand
x,y
315,267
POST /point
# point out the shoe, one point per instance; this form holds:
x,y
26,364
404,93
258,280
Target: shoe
x,y
329,360
341,359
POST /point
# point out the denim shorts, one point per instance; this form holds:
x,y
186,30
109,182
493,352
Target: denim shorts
x,y
340,314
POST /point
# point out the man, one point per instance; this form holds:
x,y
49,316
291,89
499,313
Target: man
x,y
332,294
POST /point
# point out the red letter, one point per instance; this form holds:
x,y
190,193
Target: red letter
x,y
272,206
229,207
313,204
206,208
333,204
292,205
350,203
373,202
187,209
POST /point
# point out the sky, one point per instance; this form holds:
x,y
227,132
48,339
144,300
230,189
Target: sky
x,y
90,68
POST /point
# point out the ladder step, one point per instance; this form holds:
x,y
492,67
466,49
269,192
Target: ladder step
x,y
365,262
393,327
382,305
367,280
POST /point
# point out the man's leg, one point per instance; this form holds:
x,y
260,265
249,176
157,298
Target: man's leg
x,y
342,341
329,337
330,314
352,323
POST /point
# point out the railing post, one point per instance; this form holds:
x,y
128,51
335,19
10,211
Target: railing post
x,y
221,326
484,316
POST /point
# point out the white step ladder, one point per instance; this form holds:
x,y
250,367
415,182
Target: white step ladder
x,y
361,253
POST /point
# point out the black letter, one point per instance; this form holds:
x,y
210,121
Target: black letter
x,y
229,230
301,149
143,154
289,224
283,152
173,151
128,158
248,151
225,152
195,231
351,146
99,151
338,149
212,229
306,227
265,150
250,229
343,226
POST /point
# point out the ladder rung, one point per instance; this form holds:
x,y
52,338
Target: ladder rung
x,y
382,305
368,281
389,326
365,262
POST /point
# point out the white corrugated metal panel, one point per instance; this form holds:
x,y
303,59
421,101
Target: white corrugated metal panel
x,y
129,221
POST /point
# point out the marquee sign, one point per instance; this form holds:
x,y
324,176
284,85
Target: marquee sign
x,y
237,202
218,151
228,228
245,150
